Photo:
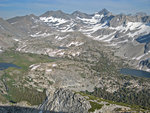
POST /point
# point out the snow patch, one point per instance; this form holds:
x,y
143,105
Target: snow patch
x,y
51,19
17,40
41,35
68,28
111,45
148,70
97,17
93,28
105,38
51,52
33,67
20,48
75,54
54,65
136,27
1,27
75,43
14,23
61,53
60,38
34,26
1,49
138,58
122,41
35,20
49,70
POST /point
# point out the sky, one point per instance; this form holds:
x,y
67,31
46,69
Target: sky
x,y
12,8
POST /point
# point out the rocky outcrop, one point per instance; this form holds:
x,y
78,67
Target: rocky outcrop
x,y
63,100
147,47
80,14
145,63
56,14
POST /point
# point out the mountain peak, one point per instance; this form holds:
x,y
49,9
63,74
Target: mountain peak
x,y
32,15
52,13
56,14
104,11
58,11
76,12
141,14
80,14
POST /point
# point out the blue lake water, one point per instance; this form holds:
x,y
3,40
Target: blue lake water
x,y
134,72
62,47
144,39
7,65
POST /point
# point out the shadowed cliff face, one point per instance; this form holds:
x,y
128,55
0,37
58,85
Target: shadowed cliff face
x,y
17,109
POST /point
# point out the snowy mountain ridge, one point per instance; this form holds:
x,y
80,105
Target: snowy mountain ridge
x,y
119,31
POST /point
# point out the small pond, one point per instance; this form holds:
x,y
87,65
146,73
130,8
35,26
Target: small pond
x,y
134,72
62,47
143,39
4,66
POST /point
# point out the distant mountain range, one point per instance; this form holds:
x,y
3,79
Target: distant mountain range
x,y
124,32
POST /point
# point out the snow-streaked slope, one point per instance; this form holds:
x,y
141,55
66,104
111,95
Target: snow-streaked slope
x,y
57,21
120,31
74,44
94,20
41,35
137,27
98,27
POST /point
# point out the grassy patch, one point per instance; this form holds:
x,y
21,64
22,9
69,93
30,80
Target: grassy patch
x,y
32,96
2,99
91,97
95,106
94,98
50,82
12,76
107,104
118,109
23,60
18,93
83,75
